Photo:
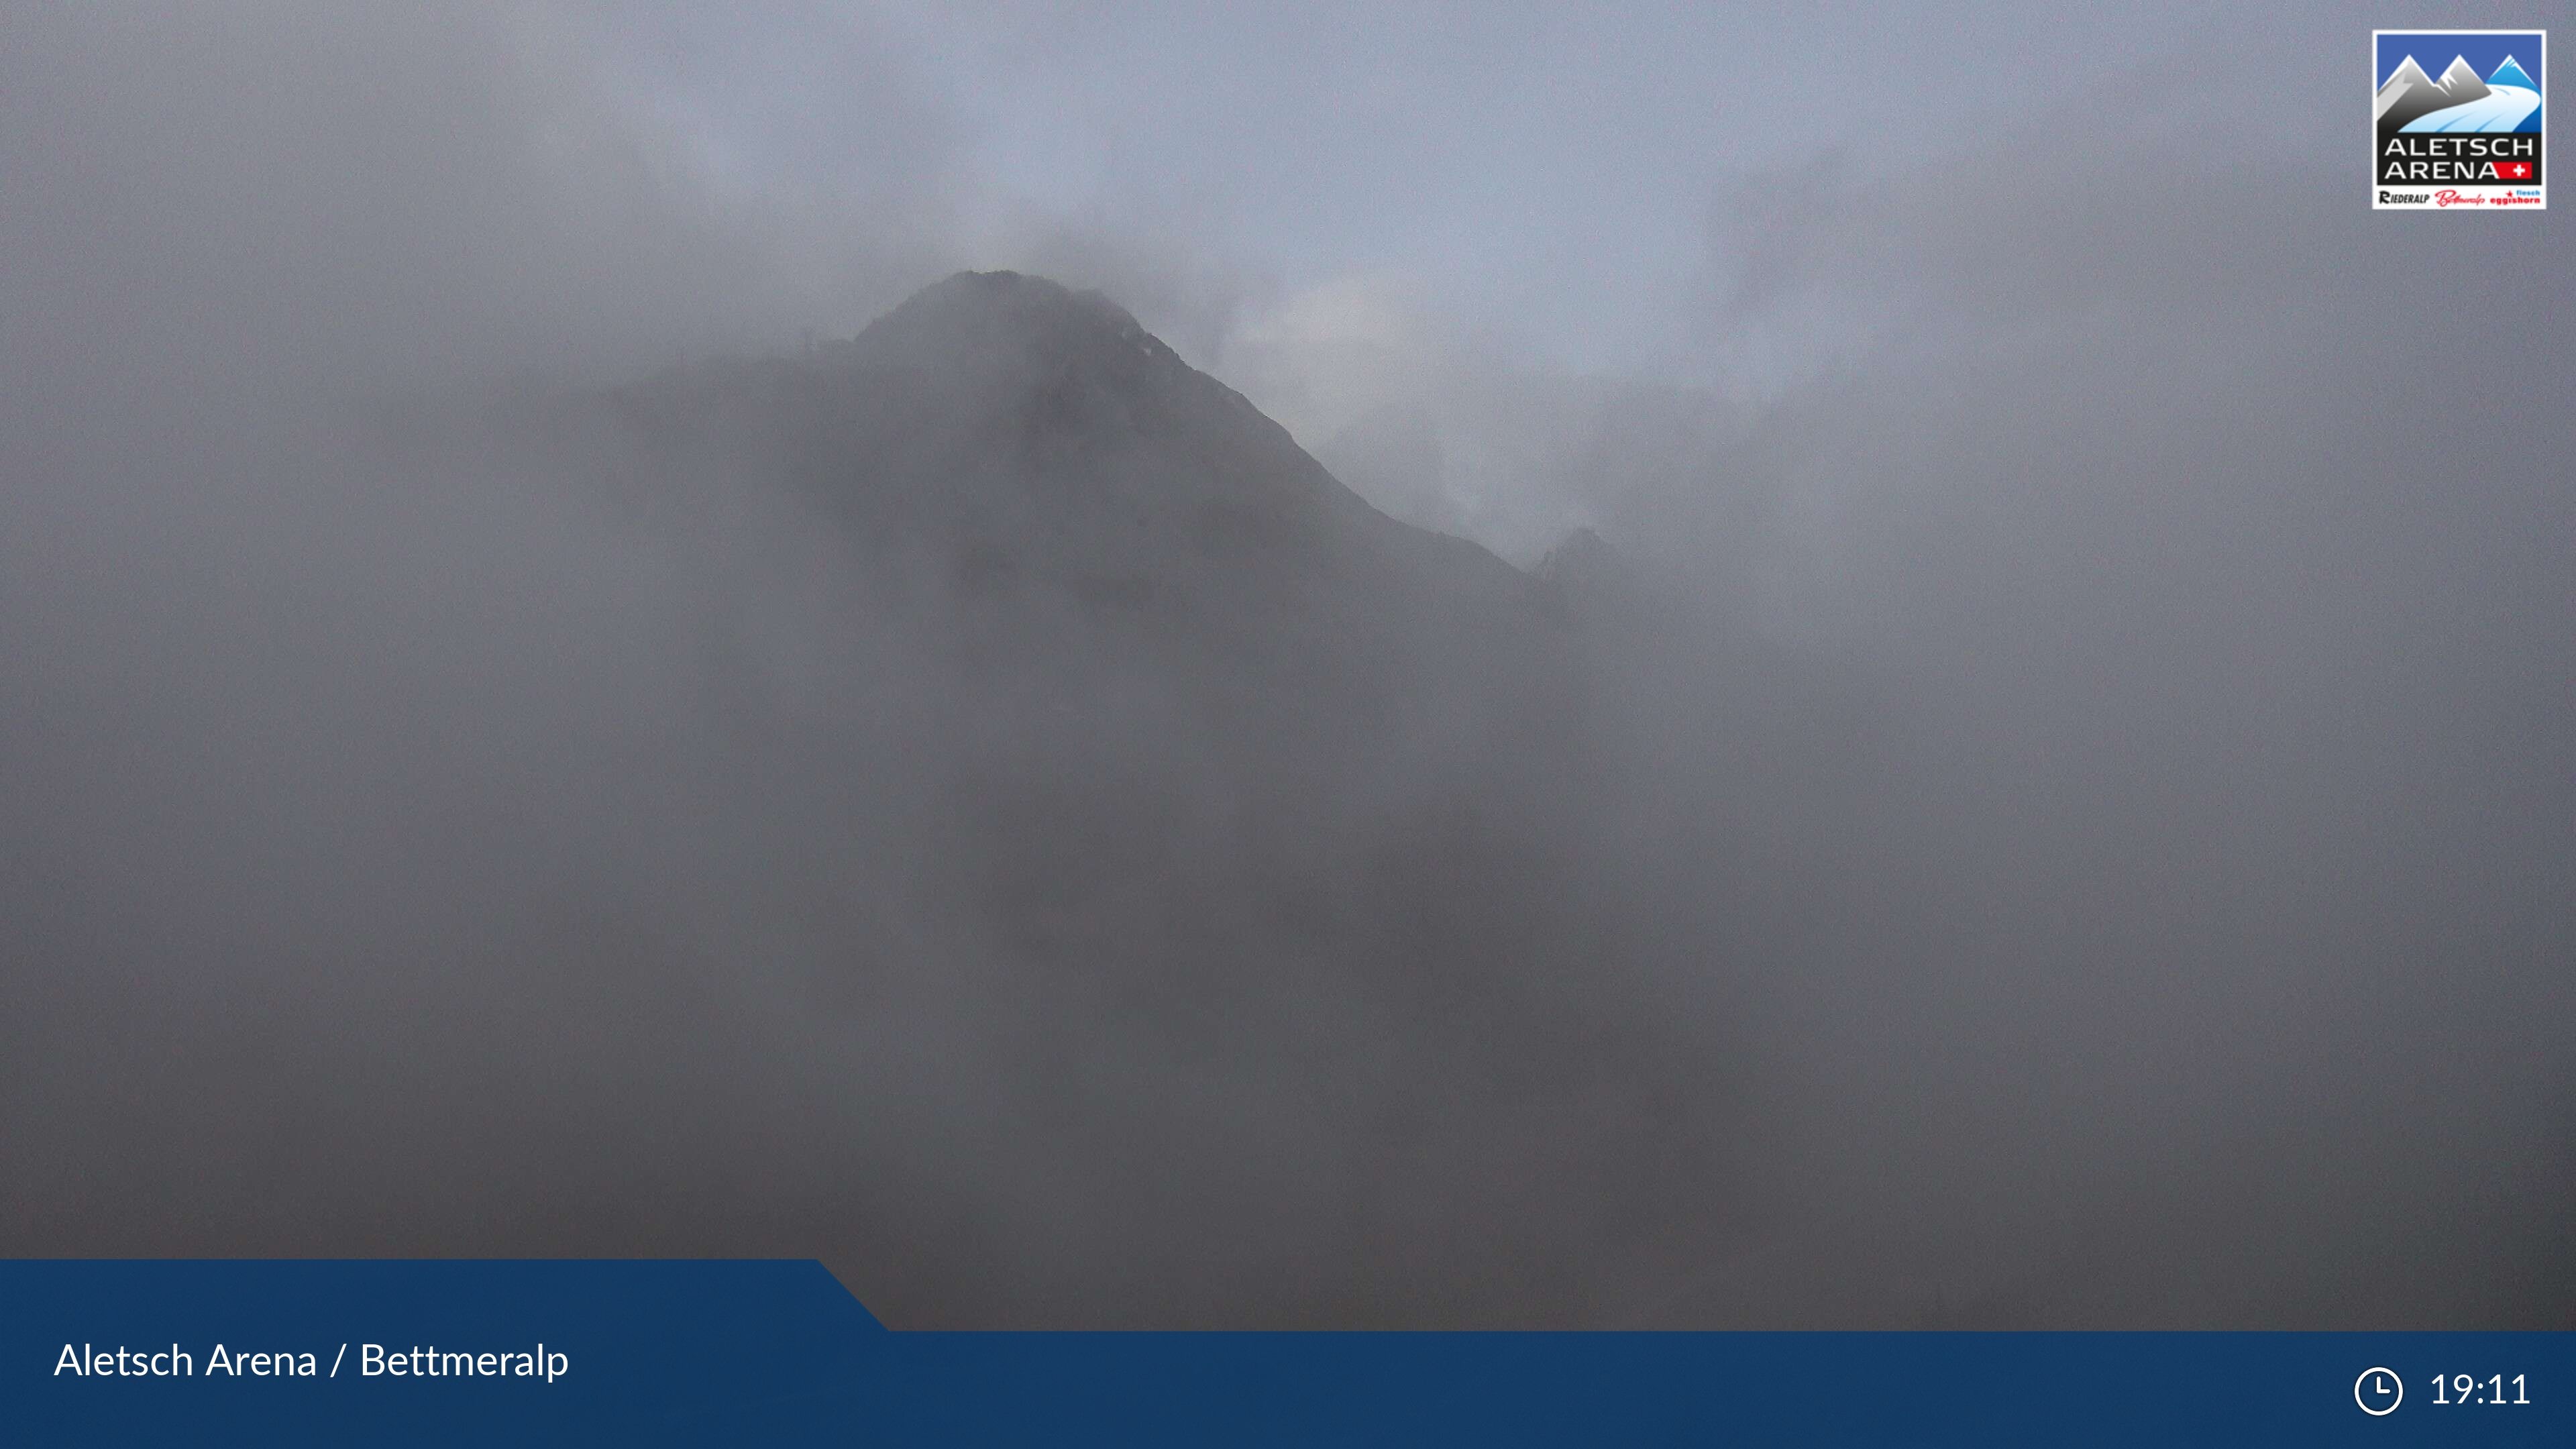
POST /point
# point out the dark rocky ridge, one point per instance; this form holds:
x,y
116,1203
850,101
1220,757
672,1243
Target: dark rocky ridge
x,y
992,400
1229,784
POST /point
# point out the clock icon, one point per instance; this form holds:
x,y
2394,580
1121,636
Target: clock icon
x,y
2378,1391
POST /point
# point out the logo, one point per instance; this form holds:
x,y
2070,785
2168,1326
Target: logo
x,y
2465,138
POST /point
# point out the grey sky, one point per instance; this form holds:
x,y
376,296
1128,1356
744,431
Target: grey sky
x,y
1351,209
1552,168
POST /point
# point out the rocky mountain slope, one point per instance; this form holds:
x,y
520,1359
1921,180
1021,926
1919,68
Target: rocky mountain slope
x,y
1282,831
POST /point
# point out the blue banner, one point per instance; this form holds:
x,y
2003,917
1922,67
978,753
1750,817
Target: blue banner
x,y
779,1352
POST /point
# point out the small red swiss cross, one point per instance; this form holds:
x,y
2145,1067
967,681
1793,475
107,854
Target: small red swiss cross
x,y
2514,170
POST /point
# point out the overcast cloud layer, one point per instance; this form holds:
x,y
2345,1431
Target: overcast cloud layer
x,y
2166,919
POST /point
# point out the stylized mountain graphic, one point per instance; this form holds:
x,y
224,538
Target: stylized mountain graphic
x,y
2409,80
2473,105
2461,82
2459,101
2510,74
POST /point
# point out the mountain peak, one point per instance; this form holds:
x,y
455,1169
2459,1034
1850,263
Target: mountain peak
x,y
2511,74
1015,295
983,309
1582,551
1007,336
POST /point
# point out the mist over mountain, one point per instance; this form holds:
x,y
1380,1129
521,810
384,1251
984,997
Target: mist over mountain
x,y
1227,773
2024,783
1067,779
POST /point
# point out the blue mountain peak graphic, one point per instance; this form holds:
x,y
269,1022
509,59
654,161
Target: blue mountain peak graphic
x,y
2510,74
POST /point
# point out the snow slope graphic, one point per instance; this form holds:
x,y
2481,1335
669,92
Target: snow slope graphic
x,y
2459,101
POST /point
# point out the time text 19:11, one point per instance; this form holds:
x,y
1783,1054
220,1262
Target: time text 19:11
x,y
2470,1389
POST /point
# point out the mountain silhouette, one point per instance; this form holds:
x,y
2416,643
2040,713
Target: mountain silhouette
x,y
2410,95
1205,753
1029,441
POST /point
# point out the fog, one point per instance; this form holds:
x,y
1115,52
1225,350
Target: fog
x,y
2050,803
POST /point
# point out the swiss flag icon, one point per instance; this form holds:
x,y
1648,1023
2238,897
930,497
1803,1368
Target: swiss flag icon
x,y
2514,170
